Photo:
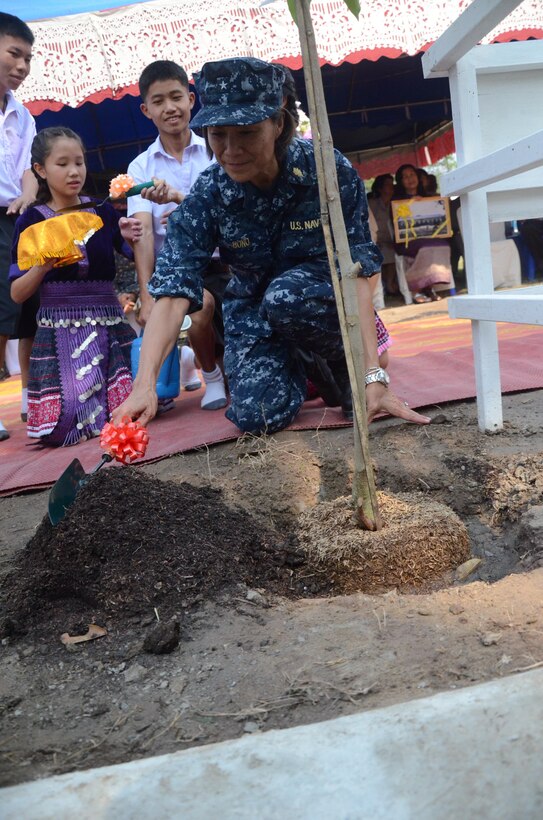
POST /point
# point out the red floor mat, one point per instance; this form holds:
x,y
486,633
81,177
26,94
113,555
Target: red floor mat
x,y
431,363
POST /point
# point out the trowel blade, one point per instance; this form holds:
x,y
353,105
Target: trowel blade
x,y
64,491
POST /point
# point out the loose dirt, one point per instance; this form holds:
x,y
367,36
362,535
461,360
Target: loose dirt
x,y
261,643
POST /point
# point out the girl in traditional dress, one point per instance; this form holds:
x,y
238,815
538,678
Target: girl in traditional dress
x,y
80,363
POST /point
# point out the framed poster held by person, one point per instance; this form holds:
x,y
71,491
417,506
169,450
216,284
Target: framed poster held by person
x,y
421,218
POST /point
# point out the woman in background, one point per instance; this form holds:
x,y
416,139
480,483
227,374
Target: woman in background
x,y
379,201
428,261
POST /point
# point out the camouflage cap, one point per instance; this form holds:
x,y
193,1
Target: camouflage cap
x,y
238,91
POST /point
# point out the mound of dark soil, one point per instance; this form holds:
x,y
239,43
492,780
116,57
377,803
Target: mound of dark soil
x,y
131,543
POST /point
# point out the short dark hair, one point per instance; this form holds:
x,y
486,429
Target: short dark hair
x,y
11,26
290,95
161,70
287,134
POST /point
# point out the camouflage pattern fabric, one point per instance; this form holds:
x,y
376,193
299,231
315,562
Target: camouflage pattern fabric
x,y
238,91
280,294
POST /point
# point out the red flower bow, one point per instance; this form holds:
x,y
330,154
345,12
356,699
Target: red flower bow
x,y
125,442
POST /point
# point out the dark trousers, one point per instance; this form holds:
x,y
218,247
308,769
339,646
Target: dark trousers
x,y
267,382
9,311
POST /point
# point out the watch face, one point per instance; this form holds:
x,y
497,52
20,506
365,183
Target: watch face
x,y
378,376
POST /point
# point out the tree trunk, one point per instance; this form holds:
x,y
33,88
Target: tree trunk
x,y
364,493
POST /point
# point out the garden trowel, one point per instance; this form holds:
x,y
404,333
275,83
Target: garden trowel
x,y
134,191
66,488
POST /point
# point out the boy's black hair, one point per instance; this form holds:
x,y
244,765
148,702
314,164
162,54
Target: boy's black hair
x,y
161,70
11,26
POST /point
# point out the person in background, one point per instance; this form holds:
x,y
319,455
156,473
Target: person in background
x,y
126,286
428,261
175,160
531,231
80,362
18,188
428,182
430,186
382,192
260,205
457,243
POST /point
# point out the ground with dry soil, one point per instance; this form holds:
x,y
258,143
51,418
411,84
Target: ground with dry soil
x,y
249,659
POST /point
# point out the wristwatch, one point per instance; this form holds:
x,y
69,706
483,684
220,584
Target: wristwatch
x,y
377,374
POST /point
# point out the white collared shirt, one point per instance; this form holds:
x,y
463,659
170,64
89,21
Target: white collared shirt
x,y
17,130
155,162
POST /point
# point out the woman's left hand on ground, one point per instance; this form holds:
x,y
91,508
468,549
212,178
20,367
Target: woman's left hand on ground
x,y
131,228
380,399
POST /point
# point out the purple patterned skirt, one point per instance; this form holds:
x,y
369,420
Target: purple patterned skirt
x,y
80,363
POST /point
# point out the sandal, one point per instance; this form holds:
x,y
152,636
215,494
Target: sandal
x,y
421,299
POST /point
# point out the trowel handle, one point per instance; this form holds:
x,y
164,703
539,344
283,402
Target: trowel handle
x,y
106,458
137,189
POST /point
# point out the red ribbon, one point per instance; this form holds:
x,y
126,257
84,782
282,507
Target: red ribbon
x,y
126,441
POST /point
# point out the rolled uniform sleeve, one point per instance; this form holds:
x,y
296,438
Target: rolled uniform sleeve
x,y
191,238
355,214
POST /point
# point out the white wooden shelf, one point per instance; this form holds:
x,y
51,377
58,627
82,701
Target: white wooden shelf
x,y
497,108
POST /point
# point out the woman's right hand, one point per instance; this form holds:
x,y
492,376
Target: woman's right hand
x,y
141,405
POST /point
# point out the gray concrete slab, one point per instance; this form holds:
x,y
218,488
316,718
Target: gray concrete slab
x,y
472,753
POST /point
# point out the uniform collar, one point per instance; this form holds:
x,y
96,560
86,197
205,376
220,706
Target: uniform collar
x,y
297,170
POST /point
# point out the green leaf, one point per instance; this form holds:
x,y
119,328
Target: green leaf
x,y
353,6
292,9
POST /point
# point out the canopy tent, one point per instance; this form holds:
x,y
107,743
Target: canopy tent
x,y
375,90
371,106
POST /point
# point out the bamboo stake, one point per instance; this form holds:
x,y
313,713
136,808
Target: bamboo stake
x,y
335,234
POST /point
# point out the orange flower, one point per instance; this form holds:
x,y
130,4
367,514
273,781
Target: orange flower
x,y
119,185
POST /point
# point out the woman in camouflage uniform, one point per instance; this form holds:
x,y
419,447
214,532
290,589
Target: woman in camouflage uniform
x,y
259,204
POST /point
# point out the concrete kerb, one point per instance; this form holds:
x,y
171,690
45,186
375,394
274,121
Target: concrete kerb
x,y
472,753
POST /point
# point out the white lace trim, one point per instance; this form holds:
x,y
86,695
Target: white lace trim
x,y
78,56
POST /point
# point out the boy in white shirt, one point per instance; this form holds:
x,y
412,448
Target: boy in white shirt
x,y
18,185
177,156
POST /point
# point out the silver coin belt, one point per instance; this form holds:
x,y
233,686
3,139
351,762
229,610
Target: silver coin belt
x,y
74,324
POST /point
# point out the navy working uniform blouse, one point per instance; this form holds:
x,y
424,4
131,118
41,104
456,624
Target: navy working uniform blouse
x,y
259,235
